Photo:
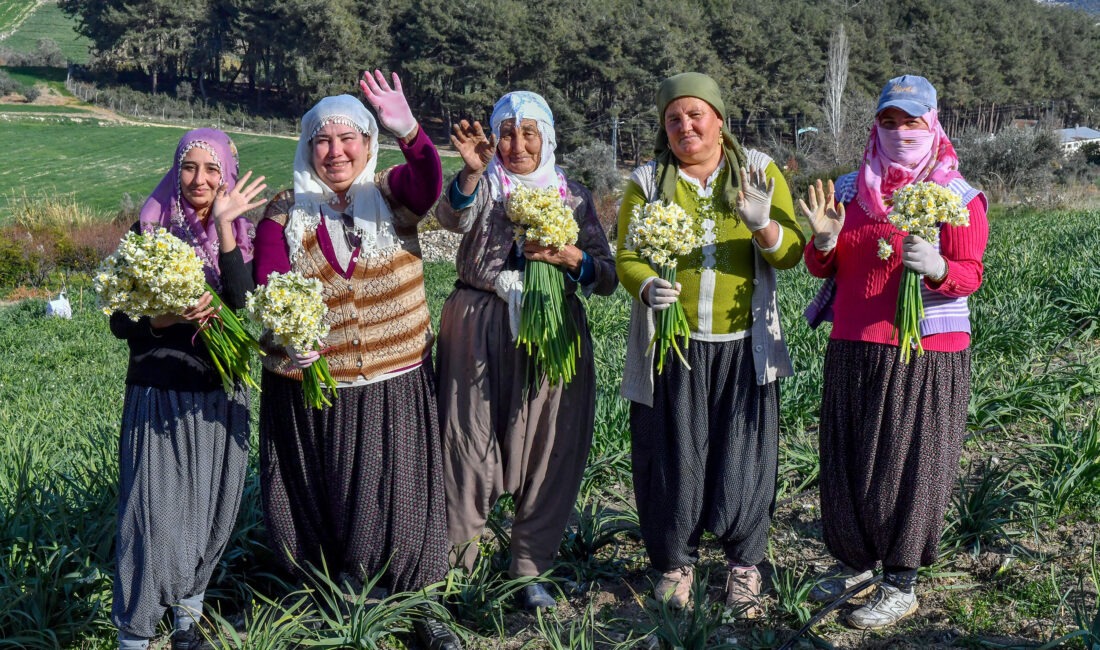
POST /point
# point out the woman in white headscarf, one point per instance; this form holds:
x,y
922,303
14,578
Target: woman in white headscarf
x,y
505,427
358,484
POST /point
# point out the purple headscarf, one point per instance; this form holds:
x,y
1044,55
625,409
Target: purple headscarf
x,y
166,207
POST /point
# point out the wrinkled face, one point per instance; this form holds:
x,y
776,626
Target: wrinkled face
x,y
520,148
693,129
340,154
199,178
895,119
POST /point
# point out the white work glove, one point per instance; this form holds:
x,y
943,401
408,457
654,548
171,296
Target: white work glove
x,y
302,360
509,286
659,294
922,257
390,104
825,215
754,201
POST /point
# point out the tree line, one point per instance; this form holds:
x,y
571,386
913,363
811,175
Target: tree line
x,y
598,62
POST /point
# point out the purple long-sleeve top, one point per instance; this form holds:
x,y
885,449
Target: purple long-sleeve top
x,y
416,184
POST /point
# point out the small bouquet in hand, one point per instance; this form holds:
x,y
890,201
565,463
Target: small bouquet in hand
x,y
292,308
546,325
918,209
660,232
156,273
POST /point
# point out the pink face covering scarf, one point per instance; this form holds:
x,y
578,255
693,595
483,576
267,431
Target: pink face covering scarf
x,y
166,207
930,158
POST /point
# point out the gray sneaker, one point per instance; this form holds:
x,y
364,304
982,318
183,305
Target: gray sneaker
x,y
887,606
838,580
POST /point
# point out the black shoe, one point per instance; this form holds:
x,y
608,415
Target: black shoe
x,y
535,596
435,635
189,639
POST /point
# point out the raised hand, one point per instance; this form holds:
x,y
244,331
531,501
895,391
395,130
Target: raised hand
x,y
754,201
244,197
826,217
471,143
390,103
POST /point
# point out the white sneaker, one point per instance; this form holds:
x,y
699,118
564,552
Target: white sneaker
x,y
838,580
887,606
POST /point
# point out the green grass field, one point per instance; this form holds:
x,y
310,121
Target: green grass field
x,y
47,21
1014,570
13,12
98,162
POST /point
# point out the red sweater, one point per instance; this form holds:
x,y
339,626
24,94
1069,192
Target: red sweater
x,y
867,287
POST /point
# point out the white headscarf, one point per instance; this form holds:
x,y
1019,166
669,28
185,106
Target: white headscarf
x,y
372,215
522,105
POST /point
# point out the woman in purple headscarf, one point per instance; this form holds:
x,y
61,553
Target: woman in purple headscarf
x,y
183,450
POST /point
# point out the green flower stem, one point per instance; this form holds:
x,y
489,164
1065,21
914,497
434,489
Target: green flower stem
x,y
908,315
230,345
316,379
546,329
671,323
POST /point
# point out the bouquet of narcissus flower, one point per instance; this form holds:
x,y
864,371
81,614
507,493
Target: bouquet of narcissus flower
x,y
546,325
919,209
293,309
156,273
660,232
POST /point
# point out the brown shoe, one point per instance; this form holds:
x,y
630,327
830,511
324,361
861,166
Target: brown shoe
x,y
743,592
674,587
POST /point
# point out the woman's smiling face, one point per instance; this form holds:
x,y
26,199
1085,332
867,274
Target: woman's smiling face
x,y
520,147
340,154
200,177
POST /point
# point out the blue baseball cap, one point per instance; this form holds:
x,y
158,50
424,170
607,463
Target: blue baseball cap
x,y
912,94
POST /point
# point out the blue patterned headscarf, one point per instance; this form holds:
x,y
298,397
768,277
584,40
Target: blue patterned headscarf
x,y
521,105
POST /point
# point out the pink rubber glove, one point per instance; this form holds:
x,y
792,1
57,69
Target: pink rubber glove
x,y
302,360
390,103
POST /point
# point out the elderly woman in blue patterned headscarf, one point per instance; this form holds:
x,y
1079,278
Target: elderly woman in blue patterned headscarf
x,y
505,428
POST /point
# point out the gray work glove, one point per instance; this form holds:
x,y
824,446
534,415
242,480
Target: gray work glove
x,y
826,217
923,258
659,294
509,287
754,201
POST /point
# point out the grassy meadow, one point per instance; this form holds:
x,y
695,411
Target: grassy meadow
x,y
45,20
97,162
1018,566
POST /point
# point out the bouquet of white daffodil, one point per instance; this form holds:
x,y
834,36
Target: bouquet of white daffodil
x,y
292,308
660,232
918,209
156,273
546,325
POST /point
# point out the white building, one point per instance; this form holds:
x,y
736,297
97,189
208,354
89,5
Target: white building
x,y
1072,139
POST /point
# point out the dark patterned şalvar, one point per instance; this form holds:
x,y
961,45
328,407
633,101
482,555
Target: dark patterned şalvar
x,y
891,434
705,456
359,483
183,457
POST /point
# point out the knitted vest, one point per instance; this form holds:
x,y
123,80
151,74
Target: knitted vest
x,y
378,318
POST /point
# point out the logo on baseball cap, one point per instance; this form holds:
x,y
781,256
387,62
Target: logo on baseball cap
x,y
912,94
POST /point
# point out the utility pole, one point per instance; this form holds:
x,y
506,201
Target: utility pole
x,y
614,135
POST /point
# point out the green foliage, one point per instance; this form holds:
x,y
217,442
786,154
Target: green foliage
x,y
1013,160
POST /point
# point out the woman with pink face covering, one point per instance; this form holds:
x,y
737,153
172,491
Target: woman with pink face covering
x,y
891,432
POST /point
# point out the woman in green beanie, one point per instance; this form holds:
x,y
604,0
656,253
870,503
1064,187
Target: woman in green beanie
x,y
705,438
